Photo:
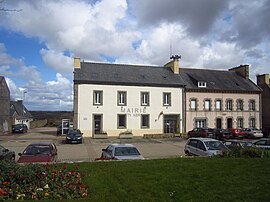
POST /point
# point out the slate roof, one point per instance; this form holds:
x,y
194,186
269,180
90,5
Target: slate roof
x,y
217,80
120,74
18,108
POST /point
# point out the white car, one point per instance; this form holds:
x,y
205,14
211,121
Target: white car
x,y
204,147
121,152
253,133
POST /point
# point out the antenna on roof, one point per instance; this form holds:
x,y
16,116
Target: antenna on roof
x,y
170,47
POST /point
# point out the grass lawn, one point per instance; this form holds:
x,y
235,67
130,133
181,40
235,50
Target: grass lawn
x,y
179,179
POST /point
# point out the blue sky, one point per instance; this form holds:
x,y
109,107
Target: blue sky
x,y
38,39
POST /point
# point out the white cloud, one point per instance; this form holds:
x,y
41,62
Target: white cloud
x,y
57,60
216,35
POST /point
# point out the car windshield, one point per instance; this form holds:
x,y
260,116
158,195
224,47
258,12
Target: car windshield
x,y
37,150
74,134
214,145
126,151
18,126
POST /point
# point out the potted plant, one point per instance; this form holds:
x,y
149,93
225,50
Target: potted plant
x,y
101,135
126,134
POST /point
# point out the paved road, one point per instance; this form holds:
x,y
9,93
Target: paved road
x,y
91,148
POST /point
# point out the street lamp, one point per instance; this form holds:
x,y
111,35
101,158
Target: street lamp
x,y
22,105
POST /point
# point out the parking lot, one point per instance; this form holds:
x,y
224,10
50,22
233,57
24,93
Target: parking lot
x,y
91,148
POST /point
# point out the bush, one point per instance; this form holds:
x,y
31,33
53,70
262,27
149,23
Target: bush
x,y
40,181
248,152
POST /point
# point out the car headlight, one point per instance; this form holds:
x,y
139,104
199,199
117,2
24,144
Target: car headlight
x,y
68,138
79,138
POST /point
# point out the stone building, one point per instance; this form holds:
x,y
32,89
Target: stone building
x,y
4,106
263,82
221,99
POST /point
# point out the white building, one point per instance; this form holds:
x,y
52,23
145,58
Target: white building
x,y
115,98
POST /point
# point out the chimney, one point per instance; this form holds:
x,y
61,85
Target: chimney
x,y
243,70
174,63
263,79
77,62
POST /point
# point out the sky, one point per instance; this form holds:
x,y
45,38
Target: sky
x,y
39,40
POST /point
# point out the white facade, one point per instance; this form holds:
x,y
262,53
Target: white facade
x,y
162,118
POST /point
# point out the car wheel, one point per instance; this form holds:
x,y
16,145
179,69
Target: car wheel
x,y
187,153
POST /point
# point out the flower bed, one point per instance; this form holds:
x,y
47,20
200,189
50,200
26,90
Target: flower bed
x,y
40,181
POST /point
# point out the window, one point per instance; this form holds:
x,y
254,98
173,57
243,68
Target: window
x,y
98,98
200,123
201,84
122,98
218,105
201,146
145,121
229,105
167,99
207,105
122,121
240,123
252,123
239,105
145,98
193,104
252,105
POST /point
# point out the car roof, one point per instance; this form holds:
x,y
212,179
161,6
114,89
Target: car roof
x,y
122,145
40,143
203,139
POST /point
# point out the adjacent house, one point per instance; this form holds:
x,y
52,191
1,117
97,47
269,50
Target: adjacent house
x,y
263,82
221,99
114,98
4,107
19,114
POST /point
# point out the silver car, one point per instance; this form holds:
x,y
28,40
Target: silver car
x,y
121,152
263,143
253,133
204,147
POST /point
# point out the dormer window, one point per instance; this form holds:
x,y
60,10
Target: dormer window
x,y
201,84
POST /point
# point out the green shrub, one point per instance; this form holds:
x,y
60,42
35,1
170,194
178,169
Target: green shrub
x,y
248,152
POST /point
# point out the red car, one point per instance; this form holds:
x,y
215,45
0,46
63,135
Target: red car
x,y
236,132
39,152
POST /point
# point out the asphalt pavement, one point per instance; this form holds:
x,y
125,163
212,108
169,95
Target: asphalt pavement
x,y
91,148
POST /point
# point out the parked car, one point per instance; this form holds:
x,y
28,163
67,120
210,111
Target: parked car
x,y
121,152
234,144
236,132
19,128
39,152
74,136
263,143
204,147
6,154
222,134
253,133
201,132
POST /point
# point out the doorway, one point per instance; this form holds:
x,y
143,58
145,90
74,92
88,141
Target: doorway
x,y
97,123
229,123
171,124
218,123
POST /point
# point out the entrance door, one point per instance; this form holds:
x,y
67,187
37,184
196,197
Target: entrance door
x,y
97,124
229,123
171,124
218,123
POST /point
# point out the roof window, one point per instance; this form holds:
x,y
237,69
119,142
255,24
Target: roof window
x,y
201,84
